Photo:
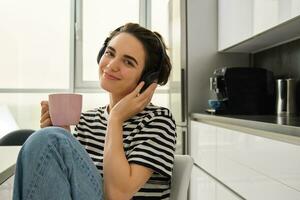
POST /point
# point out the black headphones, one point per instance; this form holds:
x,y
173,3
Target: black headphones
x,y
148,77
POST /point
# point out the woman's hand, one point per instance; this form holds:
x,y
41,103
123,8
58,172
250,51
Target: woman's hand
x,y
45,120
45,116
133,103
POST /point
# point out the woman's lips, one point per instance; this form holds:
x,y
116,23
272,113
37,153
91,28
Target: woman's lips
x,y
110,77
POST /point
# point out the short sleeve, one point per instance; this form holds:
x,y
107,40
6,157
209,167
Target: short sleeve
x,y
154,145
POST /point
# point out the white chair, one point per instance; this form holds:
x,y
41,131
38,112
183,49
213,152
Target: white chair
x,y
181,177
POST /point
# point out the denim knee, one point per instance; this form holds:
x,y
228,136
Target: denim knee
x,y
41,138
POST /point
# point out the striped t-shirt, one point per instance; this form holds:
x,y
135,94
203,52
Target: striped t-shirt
x,y
149,139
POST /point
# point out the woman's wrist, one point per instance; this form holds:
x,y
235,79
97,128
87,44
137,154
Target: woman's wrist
x,y
115,119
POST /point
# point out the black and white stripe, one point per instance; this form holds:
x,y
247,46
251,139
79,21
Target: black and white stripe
x,y
149,140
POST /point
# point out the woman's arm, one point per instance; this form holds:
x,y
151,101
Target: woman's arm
x,y
121,179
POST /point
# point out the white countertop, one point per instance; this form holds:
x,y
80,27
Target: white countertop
x,y
8,158
263,126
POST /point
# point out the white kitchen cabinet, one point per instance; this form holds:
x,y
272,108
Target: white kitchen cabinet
x,y
253,25
253,166
203,186
272,158
250,183
203,145
270,13
222,193
234,21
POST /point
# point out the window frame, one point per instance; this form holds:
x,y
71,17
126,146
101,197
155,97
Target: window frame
x,y
71,86
93,86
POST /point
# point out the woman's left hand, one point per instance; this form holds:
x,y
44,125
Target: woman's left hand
x,y
133,103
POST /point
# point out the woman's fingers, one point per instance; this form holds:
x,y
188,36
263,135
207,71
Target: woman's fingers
x,y
137,90
148,100
46,123
44,103
133,102
45,120
45,116
45,107
148,92
145,98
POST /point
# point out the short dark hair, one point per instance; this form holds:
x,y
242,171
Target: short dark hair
x,y
157,58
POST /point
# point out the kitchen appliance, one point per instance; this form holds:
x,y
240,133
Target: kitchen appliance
x,y
244,90
285,97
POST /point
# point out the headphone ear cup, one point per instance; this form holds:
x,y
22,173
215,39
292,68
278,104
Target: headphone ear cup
x,y
100,54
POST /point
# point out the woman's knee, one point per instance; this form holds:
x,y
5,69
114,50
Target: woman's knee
x,y
53,132
47,135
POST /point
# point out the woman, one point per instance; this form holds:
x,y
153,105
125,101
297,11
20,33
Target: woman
x,y
129,143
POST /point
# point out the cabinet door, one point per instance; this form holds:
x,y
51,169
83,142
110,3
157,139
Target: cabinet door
x,y
276,159
203,145
270,13
263,18
256,167
243,23
234,21
222,193
202,186
294,8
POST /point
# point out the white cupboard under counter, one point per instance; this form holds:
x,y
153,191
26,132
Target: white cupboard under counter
x,y
251,163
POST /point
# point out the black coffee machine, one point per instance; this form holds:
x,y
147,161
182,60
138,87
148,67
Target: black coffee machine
x,y
244,90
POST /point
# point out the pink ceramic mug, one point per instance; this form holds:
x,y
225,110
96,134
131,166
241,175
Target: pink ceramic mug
x,y
65,109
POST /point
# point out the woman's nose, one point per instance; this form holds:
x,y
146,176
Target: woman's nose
x,y
113,65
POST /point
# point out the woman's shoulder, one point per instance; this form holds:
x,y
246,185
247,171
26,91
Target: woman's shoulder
x,y
160,122
151,111
154,112
100,112
157,110
94,110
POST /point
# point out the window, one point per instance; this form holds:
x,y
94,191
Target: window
x,y
35,41
38,49
99,18
160,23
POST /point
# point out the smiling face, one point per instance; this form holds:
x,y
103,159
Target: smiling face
x,y
122,64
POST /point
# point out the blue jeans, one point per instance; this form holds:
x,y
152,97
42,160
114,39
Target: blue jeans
x,y
52,164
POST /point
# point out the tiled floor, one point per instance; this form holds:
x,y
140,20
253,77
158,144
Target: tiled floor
x,y
6,189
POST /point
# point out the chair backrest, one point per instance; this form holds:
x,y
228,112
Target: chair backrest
x,y
181,175
16,138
